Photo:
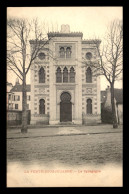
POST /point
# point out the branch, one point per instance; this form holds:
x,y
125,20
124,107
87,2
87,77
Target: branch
x,y
116,75
14,64
14,30
15,73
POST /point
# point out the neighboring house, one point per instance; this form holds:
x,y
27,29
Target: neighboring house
x,y
106,105
62,88
17,96
9,96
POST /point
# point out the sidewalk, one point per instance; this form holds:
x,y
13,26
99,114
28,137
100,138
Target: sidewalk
x,y
61,131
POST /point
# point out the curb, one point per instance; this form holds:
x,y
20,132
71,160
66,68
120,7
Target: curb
x,y
72,134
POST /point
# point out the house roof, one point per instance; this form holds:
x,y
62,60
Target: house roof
x,y
18,88
118,93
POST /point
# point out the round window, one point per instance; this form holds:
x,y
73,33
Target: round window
x,y
41,56
88,55
65,97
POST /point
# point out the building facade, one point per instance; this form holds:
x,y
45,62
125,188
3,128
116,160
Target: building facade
x,y
64,85
15,97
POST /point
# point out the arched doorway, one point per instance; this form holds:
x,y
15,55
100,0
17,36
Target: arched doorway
x,y
65,107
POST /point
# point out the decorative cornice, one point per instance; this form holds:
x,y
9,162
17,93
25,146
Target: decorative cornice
x,y
71,34
91,41
41,86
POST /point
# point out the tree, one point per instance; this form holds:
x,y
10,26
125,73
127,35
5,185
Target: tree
x,y
19,56
111,59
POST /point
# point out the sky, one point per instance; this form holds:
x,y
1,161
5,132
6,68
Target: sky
x,y
91,21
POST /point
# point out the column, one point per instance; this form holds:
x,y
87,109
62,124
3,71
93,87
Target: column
x,y
52,81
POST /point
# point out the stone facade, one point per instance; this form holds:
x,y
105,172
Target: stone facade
x,y
66,52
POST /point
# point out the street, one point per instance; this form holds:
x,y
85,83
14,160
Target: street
x,y
66,146
65,156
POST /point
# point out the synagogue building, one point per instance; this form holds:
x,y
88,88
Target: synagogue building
x,y
65,83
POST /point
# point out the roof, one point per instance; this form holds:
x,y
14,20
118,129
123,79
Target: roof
x,y
18,88
118,93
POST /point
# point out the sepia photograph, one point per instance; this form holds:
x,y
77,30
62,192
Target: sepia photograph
x,y
64,96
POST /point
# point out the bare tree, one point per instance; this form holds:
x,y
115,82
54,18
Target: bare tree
x,y
19,56
110,59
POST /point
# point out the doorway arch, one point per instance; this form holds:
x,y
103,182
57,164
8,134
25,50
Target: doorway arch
x,y
65,107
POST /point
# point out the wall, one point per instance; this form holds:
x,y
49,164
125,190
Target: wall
x,y
40,90
90,90
20,101
120,113
15,117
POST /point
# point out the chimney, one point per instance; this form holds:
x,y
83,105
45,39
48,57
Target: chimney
x,y
17,81
65,28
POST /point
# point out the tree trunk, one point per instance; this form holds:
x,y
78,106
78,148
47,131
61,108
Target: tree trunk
x,y
24,106
114,118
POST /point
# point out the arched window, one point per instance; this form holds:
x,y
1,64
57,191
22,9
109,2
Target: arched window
x,y
68,52
41,106
65,75
58,75
41,75
89,106
88,75
62,52
72,75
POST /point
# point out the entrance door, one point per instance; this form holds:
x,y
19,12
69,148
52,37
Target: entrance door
x,y
65,112
65,108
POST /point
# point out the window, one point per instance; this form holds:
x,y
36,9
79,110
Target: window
x,y
65,97
41,75
65,75
88,75
88,55
28,97
16,106
62,52
41,56
68,52
72,75
16,98
41,106
89,106
10,106
9,96
58,75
